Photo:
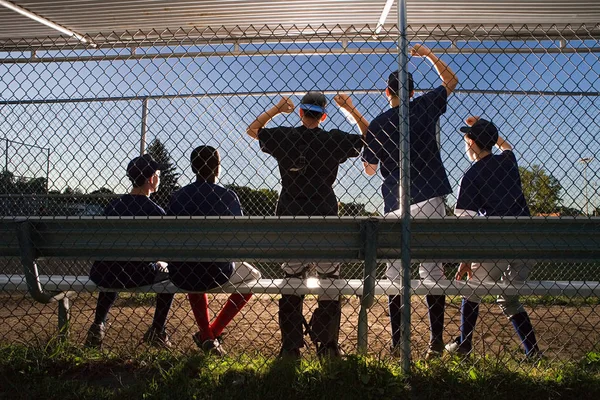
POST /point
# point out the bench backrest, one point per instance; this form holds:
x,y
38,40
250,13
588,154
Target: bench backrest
x,y
270,238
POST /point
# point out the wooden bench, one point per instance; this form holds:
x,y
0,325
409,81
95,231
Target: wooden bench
x,y
272,239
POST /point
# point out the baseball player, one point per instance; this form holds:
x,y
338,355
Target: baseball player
x,y
428,179
308,159
491,187
144,173
206,197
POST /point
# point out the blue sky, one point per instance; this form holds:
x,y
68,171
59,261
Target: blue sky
x,y
90,143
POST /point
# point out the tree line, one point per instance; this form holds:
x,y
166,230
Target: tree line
x,y
541,189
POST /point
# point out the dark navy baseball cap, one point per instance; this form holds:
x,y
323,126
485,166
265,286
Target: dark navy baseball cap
x,y
483,132
314,101
140,169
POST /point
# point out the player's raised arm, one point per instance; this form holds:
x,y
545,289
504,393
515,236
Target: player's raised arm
x,y
502,144
345,102
285,105
449,78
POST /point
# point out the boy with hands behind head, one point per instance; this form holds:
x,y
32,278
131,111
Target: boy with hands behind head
x,y
308,158
491,187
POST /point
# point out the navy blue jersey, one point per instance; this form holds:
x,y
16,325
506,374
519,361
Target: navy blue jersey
x,y
127,274
132,205
492,187
202,198
308,161
428,178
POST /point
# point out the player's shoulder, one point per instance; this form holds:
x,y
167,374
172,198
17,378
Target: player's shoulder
x,y
473,172
275,133
180,191
277,130
508,155
433,95
112,207
386,116
223,190
334,132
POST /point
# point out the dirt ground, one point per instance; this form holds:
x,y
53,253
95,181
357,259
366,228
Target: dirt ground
x,y
564,332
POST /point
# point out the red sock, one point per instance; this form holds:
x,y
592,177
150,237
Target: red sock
x,y
233,306
199,303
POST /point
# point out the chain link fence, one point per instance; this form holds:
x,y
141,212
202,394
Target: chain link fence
x,y
73,119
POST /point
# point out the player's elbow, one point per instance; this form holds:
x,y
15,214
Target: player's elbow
x,y
252,132
451,84
370,169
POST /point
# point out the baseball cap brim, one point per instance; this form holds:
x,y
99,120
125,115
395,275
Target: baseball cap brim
x,y
313,107
465,129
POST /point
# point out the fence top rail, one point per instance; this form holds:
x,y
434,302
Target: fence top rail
x,y
581,25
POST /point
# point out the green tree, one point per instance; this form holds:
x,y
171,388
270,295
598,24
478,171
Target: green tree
x,y
354,210
101,197
260,202
541,190
7,182
168,177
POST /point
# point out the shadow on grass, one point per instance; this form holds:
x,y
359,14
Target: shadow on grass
x,y
61,372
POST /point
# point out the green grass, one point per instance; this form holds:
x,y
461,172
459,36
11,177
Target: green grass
x,y
58,371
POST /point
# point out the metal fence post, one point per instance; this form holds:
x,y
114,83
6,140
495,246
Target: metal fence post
x,y
144,126
369,233
404,185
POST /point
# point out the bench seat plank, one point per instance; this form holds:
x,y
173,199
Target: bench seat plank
x,y
59,283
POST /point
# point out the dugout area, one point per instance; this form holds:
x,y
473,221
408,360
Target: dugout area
x,y
85,86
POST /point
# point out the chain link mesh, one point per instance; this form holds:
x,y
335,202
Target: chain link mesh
x,y
72,120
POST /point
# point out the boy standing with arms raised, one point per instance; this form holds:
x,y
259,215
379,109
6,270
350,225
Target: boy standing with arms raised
x,y
428,179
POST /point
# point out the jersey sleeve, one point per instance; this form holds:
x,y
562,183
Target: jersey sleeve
x,y
346,145
160,211
435,102
372,143
510,155
235,206
468,194
272,141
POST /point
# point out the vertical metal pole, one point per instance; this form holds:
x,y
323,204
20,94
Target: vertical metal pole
x,y
47,202
6,162
404,186
144,126
369,237
587,199
585,161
